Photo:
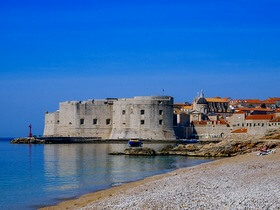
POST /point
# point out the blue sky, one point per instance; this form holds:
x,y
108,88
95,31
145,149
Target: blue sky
x,y
52,51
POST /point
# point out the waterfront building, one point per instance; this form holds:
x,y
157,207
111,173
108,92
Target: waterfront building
x,y
113,118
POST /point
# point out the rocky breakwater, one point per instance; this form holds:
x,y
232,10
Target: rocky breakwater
x,y
136,151
225,148
27,140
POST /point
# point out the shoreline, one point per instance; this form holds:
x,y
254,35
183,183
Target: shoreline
x,y
80,200
237,173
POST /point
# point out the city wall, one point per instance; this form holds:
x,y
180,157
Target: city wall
x,y
138,117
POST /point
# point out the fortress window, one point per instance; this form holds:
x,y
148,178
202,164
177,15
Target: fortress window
x,y
160,112
160,122
123,112
57,121
142,122
142,112
82,121
70,123
108,121
94,122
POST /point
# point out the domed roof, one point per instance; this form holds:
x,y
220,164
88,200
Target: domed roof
x,y
202,101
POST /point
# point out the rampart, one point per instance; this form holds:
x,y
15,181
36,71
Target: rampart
x,y
113,118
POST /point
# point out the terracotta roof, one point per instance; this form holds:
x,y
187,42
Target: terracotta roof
x,y
254,109
239,112
218,99
183,106
240,130
268,101
274,99
252,101
277,110
200,122
260,117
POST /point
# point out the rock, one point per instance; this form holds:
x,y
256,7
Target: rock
x,y
225,148
116,153
27,140
272,134
140,151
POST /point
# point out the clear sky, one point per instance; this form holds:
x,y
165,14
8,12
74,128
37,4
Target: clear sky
x,y
52,51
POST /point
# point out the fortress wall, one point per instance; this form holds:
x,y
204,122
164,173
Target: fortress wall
x,y
51,123
260,127
236,119
113,118
211,131
77,119
129,122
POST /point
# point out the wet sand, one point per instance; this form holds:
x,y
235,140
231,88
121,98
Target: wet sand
x,y
242,182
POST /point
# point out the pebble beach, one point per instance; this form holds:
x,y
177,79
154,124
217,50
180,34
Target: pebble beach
x,y
242,182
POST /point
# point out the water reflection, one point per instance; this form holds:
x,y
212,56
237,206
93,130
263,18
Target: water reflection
x,y
36,175
85,167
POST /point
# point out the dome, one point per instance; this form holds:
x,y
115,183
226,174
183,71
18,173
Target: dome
x,y
202,101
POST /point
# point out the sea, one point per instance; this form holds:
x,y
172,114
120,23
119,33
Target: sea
x,y
34,176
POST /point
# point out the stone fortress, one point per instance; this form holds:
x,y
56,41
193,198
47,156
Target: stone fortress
x,y
113,118
158,118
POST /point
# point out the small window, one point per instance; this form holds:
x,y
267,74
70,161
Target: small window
x,y
57,121
142,112
142,122
160,112
94,122
108,121
123,112
160,122
82,121
70,123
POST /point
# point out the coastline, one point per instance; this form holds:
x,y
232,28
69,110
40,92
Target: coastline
x,y
242,181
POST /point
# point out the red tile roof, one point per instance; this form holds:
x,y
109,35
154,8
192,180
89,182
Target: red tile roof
x,y
254,109
239,112
252,101
240,130
274,99
260,117
268,101
218,99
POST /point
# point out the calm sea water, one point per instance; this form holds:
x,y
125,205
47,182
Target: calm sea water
x,y
36,175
